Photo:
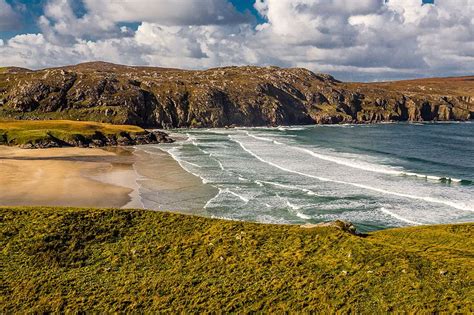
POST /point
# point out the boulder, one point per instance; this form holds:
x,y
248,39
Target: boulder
x,y
345,226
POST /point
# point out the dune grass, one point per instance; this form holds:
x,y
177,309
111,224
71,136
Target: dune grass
x,y
109,260
20,132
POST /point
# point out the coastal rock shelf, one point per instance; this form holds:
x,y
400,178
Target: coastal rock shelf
x,y
63,133
241,96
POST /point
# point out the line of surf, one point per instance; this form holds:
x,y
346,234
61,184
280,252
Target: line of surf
x,y
181,163
379,190
223,191
375,168
291,187
294,208
398,217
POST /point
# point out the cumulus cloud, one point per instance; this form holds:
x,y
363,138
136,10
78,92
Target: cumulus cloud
x,y
367,39
9,19
371,39
169,12
59,23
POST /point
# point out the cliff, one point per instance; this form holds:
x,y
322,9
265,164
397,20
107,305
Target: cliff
x,y
244,96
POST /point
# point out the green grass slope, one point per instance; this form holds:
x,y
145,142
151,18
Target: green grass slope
x,y
57,259
20,132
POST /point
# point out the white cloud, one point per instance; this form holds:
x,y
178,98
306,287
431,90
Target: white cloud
x,y
168,12
59,23
9,19
370,40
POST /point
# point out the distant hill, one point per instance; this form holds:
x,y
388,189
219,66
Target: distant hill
x,y
243,96
13,70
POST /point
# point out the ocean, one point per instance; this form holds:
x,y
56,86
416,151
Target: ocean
x,y
376,176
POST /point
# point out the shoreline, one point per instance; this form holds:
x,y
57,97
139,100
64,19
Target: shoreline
x,y
90,177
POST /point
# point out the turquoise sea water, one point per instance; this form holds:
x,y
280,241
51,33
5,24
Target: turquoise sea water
x,y
376,176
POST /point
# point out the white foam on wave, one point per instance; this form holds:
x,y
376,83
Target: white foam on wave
x,y
263,138
138,178
192,164
190,138
211,155
340,126
379,190
303,216
340,161
291,187
296,209
195,143
225,191
289,128
220,164
182,163
357,164
208,203
244,199
398,217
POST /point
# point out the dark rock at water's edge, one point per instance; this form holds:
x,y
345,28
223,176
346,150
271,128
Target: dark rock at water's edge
x,y
101,140
220,97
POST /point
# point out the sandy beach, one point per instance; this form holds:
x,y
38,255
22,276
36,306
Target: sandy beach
x,y
84,177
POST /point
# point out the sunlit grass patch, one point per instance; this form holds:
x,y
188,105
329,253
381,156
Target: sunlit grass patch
x,y
21,132
111,260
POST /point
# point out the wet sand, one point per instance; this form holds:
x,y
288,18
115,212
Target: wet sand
x,y
83,177
164,185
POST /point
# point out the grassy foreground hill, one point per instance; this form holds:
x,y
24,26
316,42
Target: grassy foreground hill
x,y
60,259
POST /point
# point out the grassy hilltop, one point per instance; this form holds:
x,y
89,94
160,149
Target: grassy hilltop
x,y
60,259
52,133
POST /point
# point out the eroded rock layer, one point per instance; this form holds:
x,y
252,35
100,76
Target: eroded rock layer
x,y
242,96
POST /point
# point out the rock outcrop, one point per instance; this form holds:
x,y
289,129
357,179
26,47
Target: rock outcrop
x,y
345,226
100,140
241,96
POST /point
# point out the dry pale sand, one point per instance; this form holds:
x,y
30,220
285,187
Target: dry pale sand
x,y
84,177
65,177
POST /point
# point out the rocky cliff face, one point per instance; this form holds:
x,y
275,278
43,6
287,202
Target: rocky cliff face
x,y
243,96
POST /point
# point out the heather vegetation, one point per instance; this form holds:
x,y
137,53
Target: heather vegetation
x,y
110,260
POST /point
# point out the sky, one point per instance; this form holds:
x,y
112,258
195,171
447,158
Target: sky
x,y
363,40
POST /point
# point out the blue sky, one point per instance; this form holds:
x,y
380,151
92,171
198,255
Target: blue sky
x,y
353,40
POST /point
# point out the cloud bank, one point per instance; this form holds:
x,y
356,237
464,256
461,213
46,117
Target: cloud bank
x,y
9,19
354,40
